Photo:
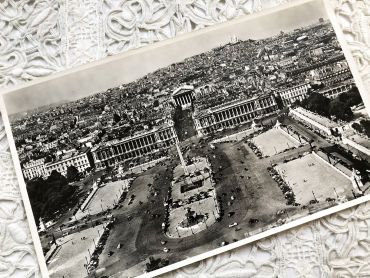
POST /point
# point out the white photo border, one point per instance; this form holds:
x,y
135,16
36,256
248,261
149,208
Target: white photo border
x,y
22,185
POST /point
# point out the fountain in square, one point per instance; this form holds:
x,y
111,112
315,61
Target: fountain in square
x,y
193,205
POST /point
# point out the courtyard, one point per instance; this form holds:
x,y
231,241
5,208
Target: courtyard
x,y
311,178
104,198
274,141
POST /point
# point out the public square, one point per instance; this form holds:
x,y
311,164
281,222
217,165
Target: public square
x,y
197,206
274,141
180,159
225,195
311,173
105,197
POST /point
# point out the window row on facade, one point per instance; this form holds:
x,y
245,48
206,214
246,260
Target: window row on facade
x,y
232,116
105,156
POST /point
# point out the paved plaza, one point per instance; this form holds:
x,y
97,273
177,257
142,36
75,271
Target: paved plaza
x,y
206,207
104,198
240,135
312,174
316,118
202,194
228,176
138,169
136,229
205,185
274,141
70,258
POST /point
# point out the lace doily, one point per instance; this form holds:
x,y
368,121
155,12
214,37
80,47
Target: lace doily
x,y
40,37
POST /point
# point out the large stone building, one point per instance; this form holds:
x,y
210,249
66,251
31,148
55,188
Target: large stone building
x,y
331,74
136,146
50,145
34,168
205,91
316,122
335,91
184,96
233,113
82,160
292,94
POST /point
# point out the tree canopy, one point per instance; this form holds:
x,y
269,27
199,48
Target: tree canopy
x,y
351,97
341,110
339,107
50,195
366,127
72,174
317,103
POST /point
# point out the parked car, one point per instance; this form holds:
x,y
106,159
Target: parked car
x,y
233,225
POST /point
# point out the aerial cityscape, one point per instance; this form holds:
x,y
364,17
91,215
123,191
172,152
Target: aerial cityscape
x,y
226,144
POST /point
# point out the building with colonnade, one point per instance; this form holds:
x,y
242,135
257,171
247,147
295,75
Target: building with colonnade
x,y
233,113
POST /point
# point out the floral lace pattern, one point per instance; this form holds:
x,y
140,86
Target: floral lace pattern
x,y
40,37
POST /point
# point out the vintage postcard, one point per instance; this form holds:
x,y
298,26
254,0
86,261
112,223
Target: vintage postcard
x,y
169,154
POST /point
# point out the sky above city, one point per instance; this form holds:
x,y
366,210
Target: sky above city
x,y
97,77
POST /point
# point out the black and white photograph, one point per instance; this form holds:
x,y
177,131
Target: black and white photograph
x,y
190,147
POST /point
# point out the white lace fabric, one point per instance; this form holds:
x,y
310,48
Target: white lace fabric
x,y
38,38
